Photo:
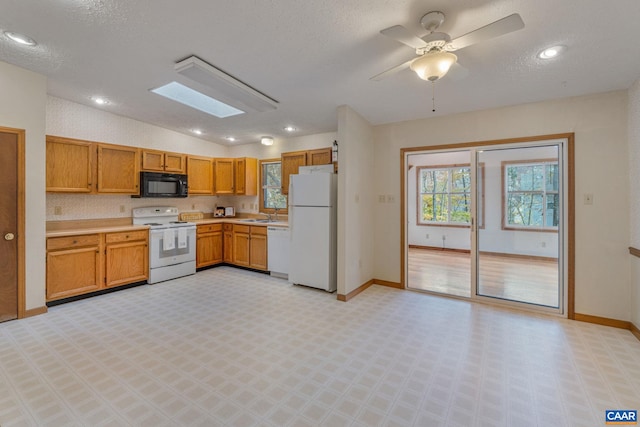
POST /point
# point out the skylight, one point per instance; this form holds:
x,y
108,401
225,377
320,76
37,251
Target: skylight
x,y
194,99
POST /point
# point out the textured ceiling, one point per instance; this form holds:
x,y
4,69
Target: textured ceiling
x,y
313,56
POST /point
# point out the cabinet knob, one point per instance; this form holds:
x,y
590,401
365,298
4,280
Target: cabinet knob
x,y
75,241
9,236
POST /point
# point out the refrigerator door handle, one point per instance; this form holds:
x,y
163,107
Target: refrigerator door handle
x,y
290,212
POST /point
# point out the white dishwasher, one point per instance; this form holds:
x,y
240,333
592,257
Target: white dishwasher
x,y
278,251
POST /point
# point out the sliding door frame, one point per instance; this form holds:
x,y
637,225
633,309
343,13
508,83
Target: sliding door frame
x,y
570,216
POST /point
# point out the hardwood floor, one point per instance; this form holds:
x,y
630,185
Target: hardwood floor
x,y
529,280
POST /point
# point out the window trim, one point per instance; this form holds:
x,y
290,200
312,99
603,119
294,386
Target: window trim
x,y
526,228
261,207
451,166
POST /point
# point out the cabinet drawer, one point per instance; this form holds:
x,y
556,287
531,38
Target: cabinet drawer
x,y
259,230
127,236
208,228
227,227
241,229
54,243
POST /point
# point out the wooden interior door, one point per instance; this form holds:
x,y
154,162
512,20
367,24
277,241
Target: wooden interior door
x,y
9,161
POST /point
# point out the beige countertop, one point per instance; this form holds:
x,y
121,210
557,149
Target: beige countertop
x,y
93,230
113,228
240,221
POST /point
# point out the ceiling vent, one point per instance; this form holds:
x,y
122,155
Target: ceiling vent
x,y
224,87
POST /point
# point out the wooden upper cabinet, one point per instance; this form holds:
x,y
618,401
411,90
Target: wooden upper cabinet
x,y
246,176
118,169
70,165
224,176
161,161
319,157
290,162
200,172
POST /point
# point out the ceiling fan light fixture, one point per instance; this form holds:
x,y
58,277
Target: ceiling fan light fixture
x,y
433,65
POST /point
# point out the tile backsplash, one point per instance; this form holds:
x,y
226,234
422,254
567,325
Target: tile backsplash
x,y
62,207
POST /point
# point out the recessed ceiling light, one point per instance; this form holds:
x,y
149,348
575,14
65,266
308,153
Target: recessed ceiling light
x,y
551,52
230,138
100,100
197,131
290,129
20,38
194,99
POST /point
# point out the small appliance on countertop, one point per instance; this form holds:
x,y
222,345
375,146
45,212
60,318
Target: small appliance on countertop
x,y
218,212
229,211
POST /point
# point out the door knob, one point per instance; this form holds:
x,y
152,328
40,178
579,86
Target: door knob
x,y
9,236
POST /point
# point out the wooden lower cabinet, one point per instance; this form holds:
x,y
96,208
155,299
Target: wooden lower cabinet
x,y
74,266
249,246
241,245
126,258
227,243
208,245
258,248
87,263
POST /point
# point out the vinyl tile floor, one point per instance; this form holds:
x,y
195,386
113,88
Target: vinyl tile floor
x,y
229,347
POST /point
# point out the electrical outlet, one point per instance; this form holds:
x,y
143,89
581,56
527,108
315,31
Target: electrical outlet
x,y
588,199
193,206
444,237
427,235
121,208
243,206
390,198
57,210
381,198
543,244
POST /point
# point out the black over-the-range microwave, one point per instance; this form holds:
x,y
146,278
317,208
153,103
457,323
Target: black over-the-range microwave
x,y
158,184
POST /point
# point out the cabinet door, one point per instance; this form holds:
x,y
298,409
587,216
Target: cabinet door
x,y
118,169
321,156
224,179
258,255
69,165
73,272
175,162
246,176
153,160
227,245
241,248
209,249
126,263
200,171
290,163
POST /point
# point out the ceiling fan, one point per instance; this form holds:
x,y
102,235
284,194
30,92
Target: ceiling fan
x,y
434,50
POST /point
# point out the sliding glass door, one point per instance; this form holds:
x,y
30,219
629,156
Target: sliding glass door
x,y
488,223
519,247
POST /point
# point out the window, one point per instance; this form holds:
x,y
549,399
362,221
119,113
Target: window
x,y
270,181
531,195
444,195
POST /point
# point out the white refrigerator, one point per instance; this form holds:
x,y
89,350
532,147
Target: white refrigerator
x,y
312,227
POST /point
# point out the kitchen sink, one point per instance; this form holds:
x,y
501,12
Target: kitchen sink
x,y
262,221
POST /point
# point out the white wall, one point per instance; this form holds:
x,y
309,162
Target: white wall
x,y
72,120
634,197
23,107
600,125
355,201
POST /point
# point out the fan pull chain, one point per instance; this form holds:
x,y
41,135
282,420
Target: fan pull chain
x,y
433,96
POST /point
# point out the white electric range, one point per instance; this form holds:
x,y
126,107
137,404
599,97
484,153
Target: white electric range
x,y
172,243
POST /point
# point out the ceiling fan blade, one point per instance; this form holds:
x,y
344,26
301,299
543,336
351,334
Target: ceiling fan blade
x,y
495,29
401,34
391,71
